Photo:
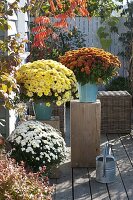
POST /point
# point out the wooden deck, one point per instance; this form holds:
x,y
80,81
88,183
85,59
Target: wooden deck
x,y
80,184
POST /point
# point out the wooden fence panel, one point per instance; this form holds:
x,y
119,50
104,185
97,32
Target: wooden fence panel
x,y
89,29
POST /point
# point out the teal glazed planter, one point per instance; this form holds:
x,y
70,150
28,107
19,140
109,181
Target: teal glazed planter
x,y
88,92
42,112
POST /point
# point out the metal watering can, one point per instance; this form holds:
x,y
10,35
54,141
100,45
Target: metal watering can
x,y
106,166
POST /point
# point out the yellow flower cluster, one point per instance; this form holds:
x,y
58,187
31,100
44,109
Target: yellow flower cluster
x,y
8,89
47,80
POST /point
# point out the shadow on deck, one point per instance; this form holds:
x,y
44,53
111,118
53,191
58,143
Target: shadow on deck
x,y
80,183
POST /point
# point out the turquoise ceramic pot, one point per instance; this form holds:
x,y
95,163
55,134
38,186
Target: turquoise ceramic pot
x,y
42,112
87,92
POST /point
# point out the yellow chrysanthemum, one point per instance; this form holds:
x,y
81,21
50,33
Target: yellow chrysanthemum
x,y
56,94
29,94
48,104
58,103
4,88
39,94
47,80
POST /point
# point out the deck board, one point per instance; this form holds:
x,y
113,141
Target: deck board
x,y
124,166
64,183
128,146
99,191
80,183
116,189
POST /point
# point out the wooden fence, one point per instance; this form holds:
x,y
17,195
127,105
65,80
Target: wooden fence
x,y
89,29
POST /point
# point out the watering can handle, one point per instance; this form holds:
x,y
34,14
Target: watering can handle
x,y
110,151
107,151
104,163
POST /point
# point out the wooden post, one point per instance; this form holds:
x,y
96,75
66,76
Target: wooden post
x,y
85,121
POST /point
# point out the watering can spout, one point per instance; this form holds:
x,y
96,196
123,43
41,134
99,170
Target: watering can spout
x,y
105,166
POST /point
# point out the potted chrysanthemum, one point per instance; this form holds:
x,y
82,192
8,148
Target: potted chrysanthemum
x,y
37,144
91,66
45,82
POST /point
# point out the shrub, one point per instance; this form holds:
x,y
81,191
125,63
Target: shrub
x,y
119,83
37,144
16,184
57,44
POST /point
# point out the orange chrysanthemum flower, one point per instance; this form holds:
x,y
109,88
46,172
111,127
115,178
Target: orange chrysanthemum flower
x,y
91,64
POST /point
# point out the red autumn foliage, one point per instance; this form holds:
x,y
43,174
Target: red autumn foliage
x,y
59,4
61,24
60,11
53,8
42,20
38,29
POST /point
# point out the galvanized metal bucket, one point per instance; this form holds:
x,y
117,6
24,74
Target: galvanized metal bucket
x,y
106,166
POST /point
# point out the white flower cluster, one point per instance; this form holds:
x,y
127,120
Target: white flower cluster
x,y
42,142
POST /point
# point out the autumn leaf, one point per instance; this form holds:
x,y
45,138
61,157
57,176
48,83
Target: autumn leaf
x,y
61,24
59,4
10,89
83,11
38,29
61,16
4,88
53,9
17,35
42,20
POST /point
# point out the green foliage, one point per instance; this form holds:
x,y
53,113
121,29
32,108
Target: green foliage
x,y
127,37
119,83
102,8
104,32
105,40
3,24
70,40
57,44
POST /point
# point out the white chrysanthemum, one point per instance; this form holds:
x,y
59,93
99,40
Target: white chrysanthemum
x,y
18,139
29,149
38,143
23,143
34,143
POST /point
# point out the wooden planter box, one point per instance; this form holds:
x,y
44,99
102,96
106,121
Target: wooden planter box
x,y
85,120
60,111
